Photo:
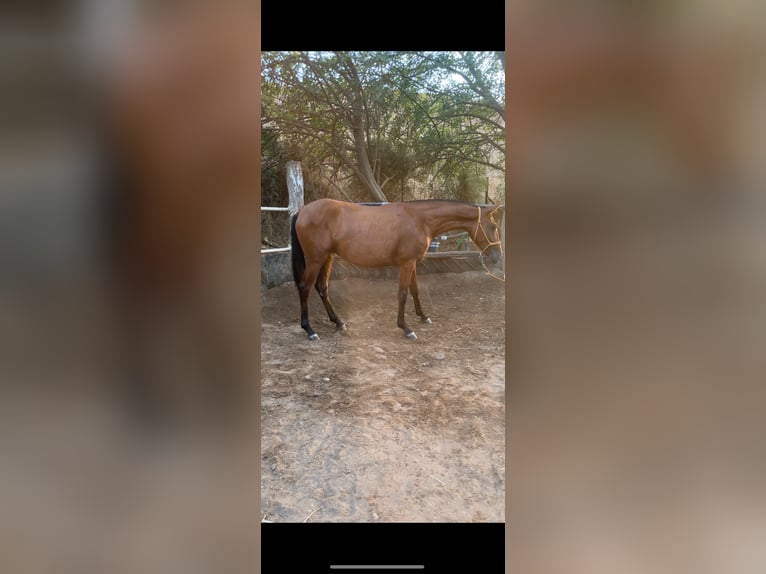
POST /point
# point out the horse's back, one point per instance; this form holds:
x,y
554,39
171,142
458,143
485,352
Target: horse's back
x,y
331,212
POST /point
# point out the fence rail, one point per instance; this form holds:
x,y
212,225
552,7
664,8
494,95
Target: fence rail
x,y
275,249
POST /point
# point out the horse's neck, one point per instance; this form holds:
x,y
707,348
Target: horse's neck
x,y
447,216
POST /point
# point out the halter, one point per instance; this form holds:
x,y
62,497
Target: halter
x,y
489,244
476,233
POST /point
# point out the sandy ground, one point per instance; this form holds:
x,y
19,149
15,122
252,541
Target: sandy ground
x,y
368,426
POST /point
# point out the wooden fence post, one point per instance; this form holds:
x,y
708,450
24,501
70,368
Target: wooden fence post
x,y
294,187
502,239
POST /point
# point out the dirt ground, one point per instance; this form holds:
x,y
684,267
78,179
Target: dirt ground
x,y
368,426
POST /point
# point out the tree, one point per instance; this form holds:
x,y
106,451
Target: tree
x,y
467,90
385,117
318,102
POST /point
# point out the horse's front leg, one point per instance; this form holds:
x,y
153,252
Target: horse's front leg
x,y
416,297
405,274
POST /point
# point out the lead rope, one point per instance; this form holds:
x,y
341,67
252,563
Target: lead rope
x,y
488,272
489,244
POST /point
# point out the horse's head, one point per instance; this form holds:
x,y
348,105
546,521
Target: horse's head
x,y
486,234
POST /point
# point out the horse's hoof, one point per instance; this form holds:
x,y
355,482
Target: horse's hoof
x,y
426,320
314,337
342,327
412,335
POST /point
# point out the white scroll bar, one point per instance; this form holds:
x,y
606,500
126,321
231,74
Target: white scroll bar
x,y
377,567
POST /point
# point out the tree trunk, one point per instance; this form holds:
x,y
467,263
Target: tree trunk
x,y
363,160
294,186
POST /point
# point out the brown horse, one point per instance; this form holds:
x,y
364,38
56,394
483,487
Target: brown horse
x,y
393,234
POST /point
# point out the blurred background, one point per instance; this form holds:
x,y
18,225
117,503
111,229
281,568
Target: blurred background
x,y
128,325
636,311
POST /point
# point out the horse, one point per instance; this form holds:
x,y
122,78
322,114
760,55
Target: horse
x,y
392,234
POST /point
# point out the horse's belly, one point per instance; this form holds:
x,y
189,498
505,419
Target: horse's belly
x,y
375,256
364,257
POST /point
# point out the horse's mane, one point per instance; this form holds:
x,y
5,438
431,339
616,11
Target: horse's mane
x,y
379,203
441,200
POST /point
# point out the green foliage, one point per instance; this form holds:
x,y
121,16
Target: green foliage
x,y
400,123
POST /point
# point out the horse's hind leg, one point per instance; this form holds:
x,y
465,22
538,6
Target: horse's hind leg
x,y
323,288
405,275
416,298
305,285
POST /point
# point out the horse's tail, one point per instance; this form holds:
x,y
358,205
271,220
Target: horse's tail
x,y
299,260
